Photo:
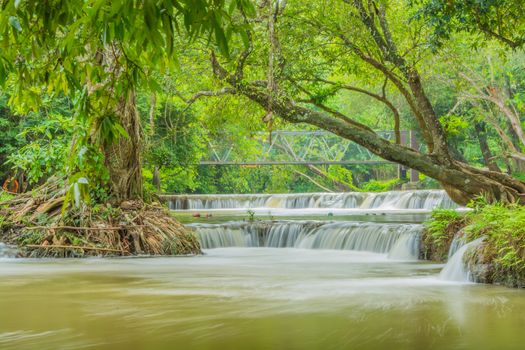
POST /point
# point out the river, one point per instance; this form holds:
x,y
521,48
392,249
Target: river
x,y
343,275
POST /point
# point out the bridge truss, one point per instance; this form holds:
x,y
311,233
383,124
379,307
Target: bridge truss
x,y
300,148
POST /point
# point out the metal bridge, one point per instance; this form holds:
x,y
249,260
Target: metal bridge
x,y
300,148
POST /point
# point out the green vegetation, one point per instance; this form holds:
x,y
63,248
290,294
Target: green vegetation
x,y
380,186
4,196
106,103
501,256
440,230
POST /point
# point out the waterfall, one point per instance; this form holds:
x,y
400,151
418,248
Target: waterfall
x,y
457,242
455,269
423,199
406,248
400,240
7,251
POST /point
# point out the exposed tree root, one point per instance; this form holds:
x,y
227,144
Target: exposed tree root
x,y
34,222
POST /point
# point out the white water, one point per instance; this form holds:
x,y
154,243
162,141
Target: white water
x,y
406,248
425,199
455,269
7,251
400,241
457,242
300,284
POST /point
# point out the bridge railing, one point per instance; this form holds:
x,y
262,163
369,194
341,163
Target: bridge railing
x,y
289,147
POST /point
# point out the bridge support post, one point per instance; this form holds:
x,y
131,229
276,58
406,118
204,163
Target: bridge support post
x,y
401,169
414,174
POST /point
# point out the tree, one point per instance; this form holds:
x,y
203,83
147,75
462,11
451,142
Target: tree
x,y
501,20
358,37
99,53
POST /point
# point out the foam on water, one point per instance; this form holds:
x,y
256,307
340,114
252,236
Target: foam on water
x,y
401,241
455,269
423,199
7,251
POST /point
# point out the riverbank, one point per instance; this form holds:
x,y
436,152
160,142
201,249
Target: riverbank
x,y
37,224
498,259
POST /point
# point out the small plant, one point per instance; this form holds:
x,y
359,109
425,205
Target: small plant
x,y
381,186
32,237
503,249
251,215
440,231
4,196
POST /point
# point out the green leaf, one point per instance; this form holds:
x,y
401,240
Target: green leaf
x,y
15,23
221,40
248,8
121,130
3,74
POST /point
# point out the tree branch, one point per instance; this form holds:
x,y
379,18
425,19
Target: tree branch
x,y
382,98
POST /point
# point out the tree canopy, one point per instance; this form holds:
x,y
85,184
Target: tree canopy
x,y
135,76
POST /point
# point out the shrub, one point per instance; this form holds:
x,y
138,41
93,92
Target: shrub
x,y
440,231
502,254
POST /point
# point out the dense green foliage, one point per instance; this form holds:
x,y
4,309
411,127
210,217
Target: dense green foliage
x,y
501,257
439,233
501,20
504,232
59,106
98,53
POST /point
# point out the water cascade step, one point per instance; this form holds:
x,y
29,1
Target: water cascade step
x,y
7,251
455,269
423,199
400,241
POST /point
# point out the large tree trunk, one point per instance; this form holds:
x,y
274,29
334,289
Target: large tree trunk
x,y
156,178
481,133
123,158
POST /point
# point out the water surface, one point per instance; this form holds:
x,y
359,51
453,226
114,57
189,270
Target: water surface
x,y
261,289
251,298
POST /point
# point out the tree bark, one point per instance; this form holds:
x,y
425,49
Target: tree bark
x,y
156,178
123,158
481,133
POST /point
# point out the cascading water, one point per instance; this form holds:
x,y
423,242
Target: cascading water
x,y
455,269
373,232
7,251
457,242
407,247
425,199
401,241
